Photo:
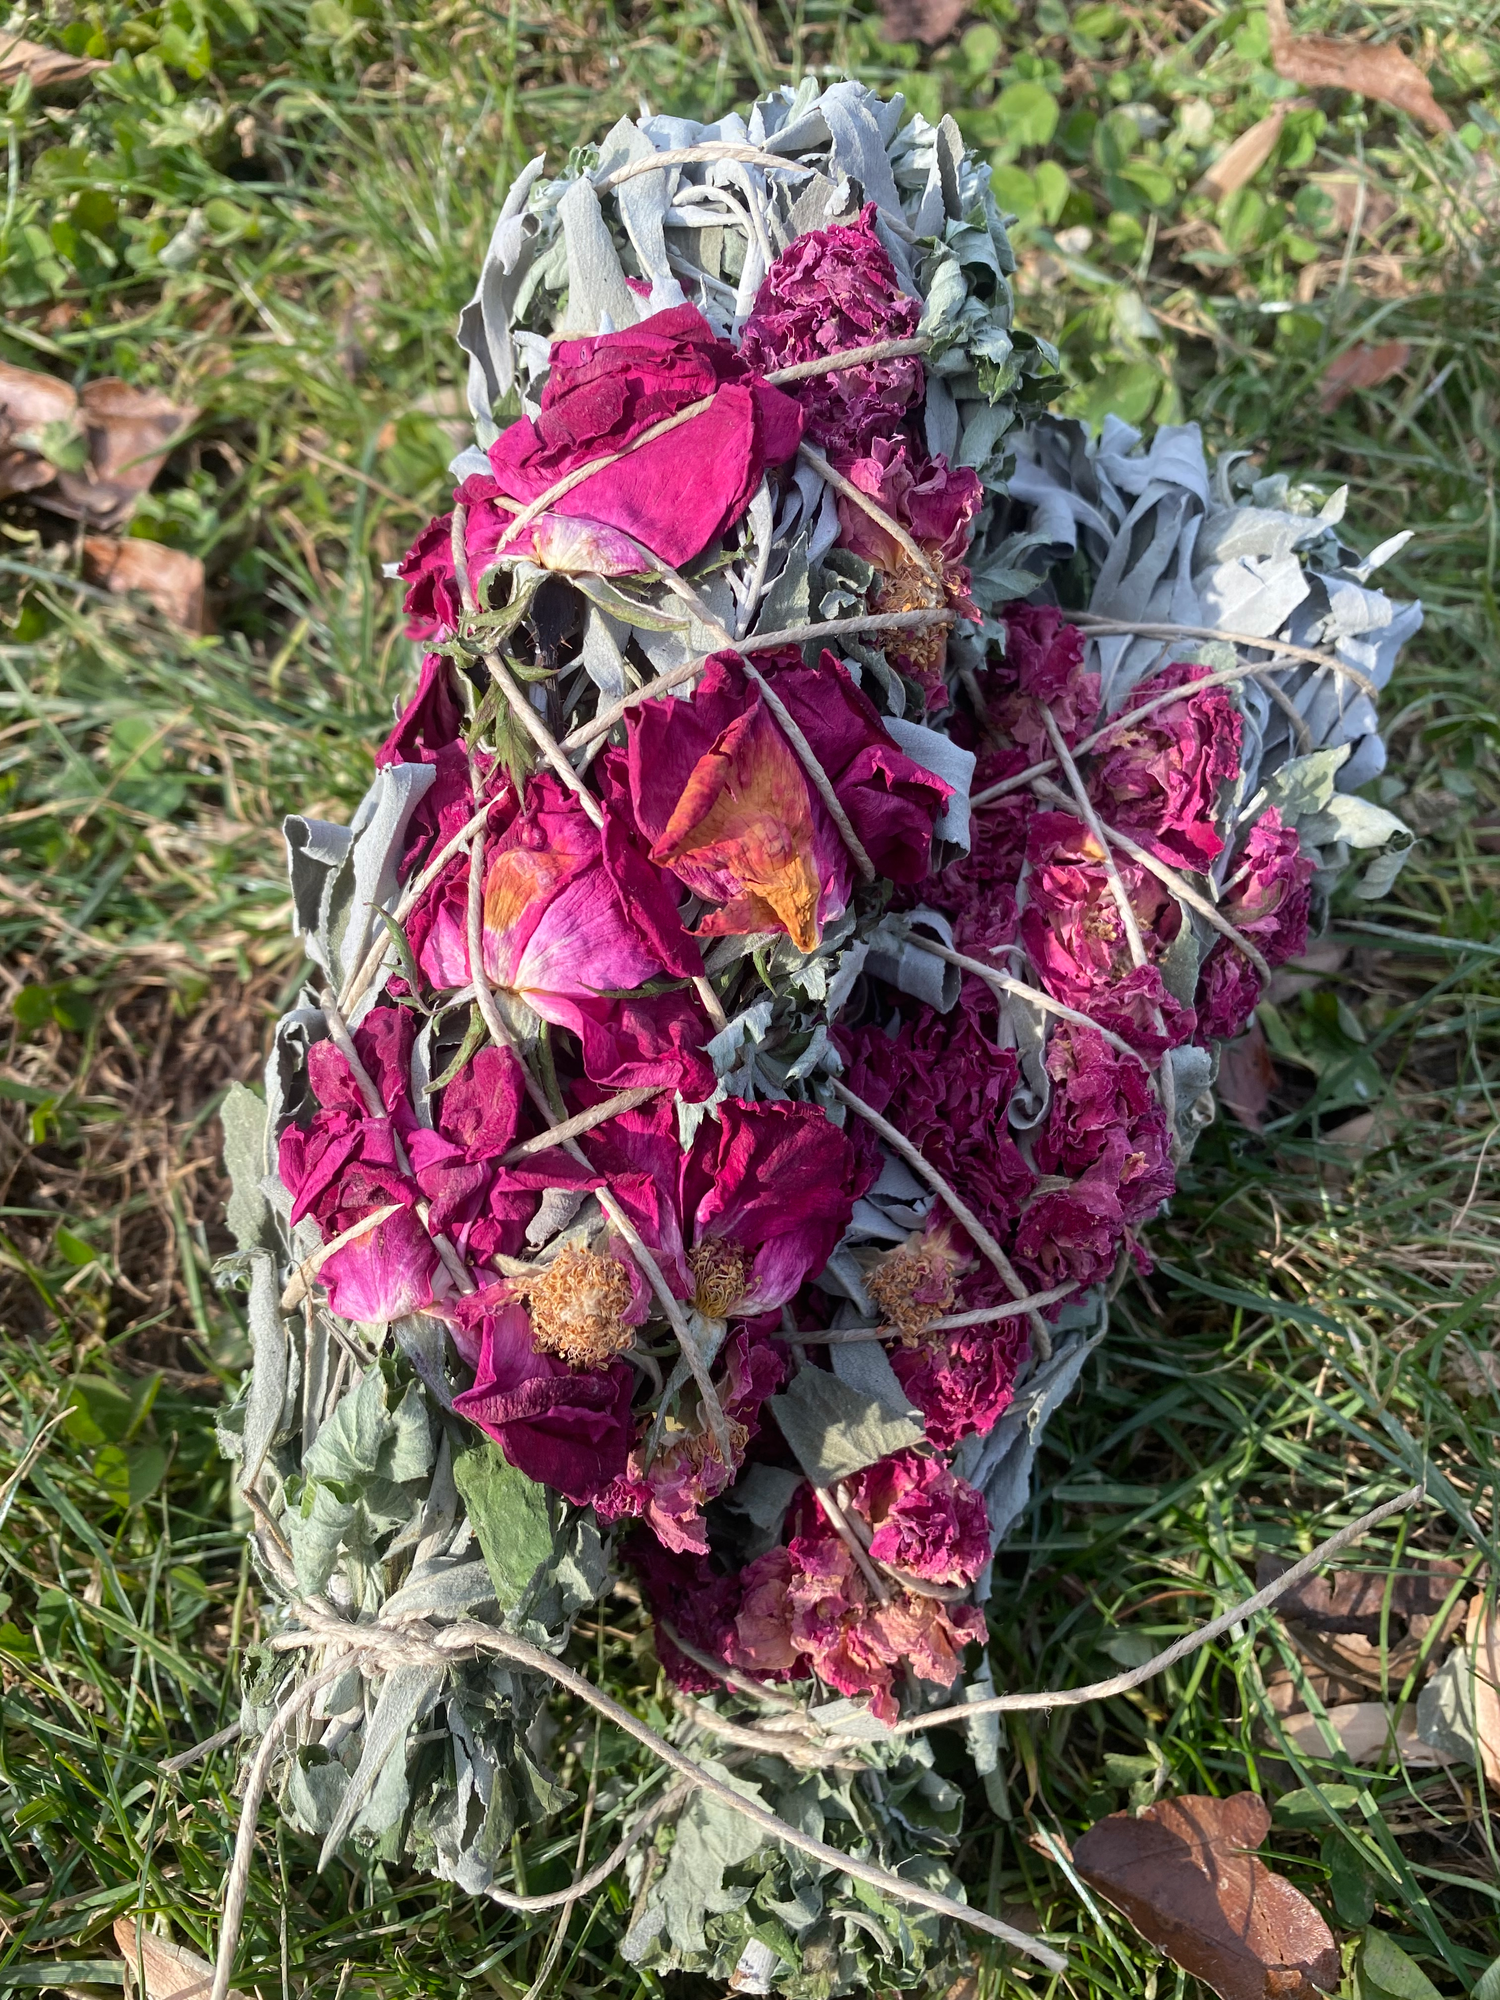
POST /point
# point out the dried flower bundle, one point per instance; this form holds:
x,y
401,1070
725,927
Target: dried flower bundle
x,y
775,976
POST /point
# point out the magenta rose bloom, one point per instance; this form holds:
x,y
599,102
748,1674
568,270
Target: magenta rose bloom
x,y
566,1428
1075,936
1099,1094
672,1491
936,504
673,496
1160,779
963,1381
1268,898
722,800
564,933
482,1207
807,1607
1107,1134
948,1086
699,1601
342,1168
756,1205
429,730
925,1519
978,890
829,291
1043,665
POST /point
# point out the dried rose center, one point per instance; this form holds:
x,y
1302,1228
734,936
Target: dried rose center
x,y
700,1449
577,1306
912,1288
910,588
718,1278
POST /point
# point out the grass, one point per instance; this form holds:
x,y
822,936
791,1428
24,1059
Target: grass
x,y
274,212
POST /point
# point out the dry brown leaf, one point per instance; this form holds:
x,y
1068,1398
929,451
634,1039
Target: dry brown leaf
x,y
43,66
1361,367
1247,1076
29,401
172,579
1328,62
1334,1619
1482,1644
126,433
1344,190
130,432
1363,1731
929,21
172,1971
1186,1874
1240,163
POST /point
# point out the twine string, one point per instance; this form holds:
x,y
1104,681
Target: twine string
x,y
384,1647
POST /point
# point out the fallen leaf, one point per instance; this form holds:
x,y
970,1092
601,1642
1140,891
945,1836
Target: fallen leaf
x,y
1344,190
1328,62
929,21
1184,1872
172,1971
1361,367
1247,1076
1240,163
130,432
89,456
172,579
32,405
1334,1619
42,66
1362,1730
1482,1647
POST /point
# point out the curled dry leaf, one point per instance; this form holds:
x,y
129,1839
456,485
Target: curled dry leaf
x,y
929,21
1238,164
1247,1076
89,456
1186,1875
1335,1619
172,579
42,65
36,411
1482,1649
1361,367
130,432
1364,1731
1328,62
172,1972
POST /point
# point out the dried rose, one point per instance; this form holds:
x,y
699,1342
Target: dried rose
x,y
1075,935
722,798
687,1472
570,1430
1268,898
673,495
1042,668
924,1519
1162,779
342,1166
830,291
808,1605
753,1208
963,1381
560,936
951,1087
936,503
